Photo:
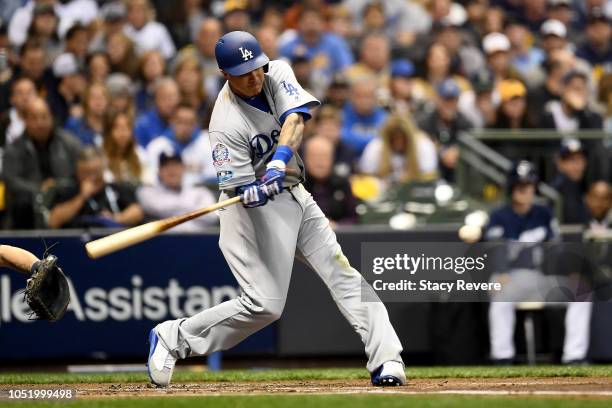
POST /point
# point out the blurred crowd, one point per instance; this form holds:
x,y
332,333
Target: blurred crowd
x,y
104,104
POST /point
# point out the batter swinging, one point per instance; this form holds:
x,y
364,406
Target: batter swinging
x,y
255,132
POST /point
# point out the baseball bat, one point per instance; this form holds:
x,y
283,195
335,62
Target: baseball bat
x,y
123,239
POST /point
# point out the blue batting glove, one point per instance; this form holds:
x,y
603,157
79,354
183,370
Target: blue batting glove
x,y
272,181
252,195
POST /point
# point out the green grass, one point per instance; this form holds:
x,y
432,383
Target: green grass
x,y
313,374
335,401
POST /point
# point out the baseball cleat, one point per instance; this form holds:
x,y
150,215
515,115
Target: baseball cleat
x,y
389,374
161,362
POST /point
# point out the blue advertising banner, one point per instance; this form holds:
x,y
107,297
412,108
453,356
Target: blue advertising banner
x,y
117,299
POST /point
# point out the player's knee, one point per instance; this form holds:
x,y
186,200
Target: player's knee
x,y
268,310
273,309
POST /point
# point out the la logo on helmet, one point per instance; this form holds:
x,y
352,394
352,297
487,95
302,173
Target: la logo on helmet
x,y
246,54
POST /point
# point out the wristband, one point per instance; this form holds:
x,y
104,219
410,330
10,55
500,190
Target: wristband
x,y
283,153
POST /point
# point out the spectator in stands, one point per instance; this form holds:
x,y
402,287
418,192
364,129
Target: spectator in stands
x,y
37,160
68,12
341,24
362,117
437,69
473,27
466,57
121,94
403,20
597,49
185,138
66,99
338,92
478,106
76,42
173,196
523,221
328,124
291,16
125,160
554,36
155,121
572,113
512,111
571,165
494,21
89,127
533,13
599,202
185,30
373,59
558,63
208,34
402,153
237,17
31,65
561,10
497,49
113,16
146,33
188,76
302,68
152,66
444,123
330,51
12,121
401,86
267,36
331,191
44,29
373,18
90,201
525,58
120,50
98,67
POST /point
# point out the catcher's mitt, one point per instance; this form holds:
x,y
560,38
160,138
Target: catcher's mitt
x,y
47,291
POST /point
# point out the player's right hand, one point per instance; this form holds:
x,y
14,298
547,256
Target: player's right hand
x,y
252,195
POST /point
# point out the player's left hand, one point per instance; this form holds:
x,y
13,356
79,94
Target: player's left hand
x,y
272,181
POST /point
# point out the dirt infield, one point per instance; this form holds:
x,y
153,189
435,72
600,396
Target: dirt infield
x,y
588,387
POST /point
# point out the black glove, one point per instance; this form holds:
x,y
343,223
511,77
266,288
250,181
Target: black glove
x,y
47,291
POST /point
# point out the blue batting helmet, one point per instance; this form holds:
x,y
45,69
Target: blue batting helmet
x,y
238,53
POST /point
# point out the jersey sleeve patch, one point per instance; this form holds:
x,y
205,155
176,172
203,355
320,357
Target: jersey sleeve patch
x,y
220,155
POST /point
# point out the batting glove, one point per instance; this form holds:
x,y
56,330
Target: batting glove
x,y
272,181
252,195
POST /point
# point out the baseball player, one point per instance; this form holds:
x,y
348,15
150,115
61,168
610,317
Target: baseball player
x,y
255,131
524,221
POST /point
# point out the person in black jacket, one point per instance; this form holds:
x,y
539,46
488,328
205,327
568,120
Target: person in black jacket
x,y
331,191
569,182
571,113
91,202
444,124
37,160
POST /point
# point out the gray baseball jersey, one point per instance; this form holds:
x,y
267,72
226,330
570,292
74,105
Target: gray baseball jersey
x,y
243,138
260,243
